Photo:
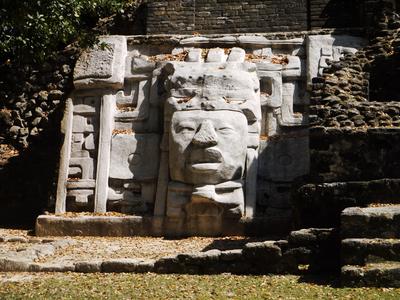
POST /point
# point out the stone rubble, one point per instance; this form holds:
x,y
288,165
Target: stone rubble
x,y
342,96
272,256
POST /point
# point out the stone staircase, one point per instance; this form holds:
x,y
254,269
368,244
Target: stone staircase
x,y
371,246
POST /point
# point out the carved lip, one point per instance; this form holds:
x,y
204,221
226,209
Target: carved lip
x,y
204,160
205,167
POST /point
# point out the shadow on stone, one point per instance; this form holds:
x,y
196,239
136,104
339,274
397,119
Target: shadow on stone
x,y
30,178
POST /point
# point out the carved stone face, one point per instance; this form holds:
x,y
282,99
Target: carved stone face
x,y
207,147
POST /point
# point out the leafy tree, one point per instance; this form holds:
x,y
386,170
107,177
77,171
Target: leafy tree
x,y
30,31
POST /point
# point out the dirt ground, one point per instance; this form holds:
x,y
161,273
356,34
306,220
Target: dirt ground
x,y
97,248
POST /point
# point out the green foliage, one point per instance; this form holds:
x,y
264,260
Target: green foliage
x,y
32,30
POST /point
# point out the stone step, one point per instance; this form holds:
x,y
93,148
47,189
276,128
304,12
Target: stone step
x,y
371,222
375,274
365,251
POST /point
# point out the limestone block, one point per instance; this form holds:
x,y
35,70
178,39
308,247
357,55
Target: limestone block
x,y
216,55
103,66
96,63
237,55
271,88
226,39
178,50
178,196
194,55
264,52
311,237
262,252
133,103
231,255
323,47
371,222
88,266
80,195
292,70
197,40
81,184
225,199
253,40
364,251
290,96
142,65
135,156
376,275
89,142
14,265
285,159
127,265
200,258
82,124
86,105
54,267
85,165
168,265
274,195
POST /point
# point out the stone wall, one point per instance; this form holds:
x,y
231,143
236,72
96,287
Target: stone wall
x,y
338,13
348,168
222,16
354,141
217,16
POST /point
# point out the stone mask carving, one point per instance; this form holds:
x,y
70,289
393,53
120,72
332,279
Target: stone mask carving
x,y
207,114
207,147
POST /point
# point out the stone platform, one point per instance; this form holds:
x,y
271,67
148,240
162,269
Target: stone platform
x,y
371,246
20,252
52,225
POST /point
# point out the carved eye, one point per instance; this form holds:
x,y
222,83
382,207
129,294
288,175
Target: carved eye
x,y
185,128
226,130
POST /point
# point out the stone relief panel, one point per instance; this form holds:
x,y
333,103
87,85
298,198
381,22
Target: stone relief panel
x,y
83,158
321,48
192,128
132,181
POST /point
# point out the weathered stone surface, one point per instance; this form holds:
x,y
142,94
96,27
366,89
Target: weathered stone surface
x,y
127,265
88,266
102,66
129,153
310,236
371,222
54,267
94,226
262,252
17,264
364,251
376,275
317,247
168,265
214,94
321,48
231,255
15,239
200,258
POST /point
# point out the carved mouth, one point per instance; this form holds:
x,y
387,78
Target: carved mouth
x,y
205,167
205,160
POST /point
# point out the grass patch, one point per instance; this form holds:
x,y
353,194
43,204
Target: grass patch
x,y
154,286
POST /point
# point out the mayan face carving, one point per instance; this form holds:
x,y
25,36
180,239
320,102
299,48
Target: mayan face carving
x,y
207,147
212,111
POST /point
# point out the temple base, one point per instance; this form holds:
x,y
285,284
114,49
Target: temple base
x,y
50,225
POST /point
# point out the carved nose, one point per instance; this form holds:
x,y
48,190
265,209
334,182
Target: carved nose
x,y
206,136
